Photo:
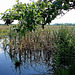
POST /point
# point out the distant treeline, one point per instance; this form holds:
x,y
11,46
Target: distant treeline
x,y
10,24
65,24
57,24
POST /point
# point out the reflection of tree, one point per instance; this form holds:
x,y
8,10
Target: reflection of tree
x,y
32,59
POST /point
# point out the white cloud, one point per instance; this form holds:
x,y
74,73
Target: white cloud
x,y
6,4
67,18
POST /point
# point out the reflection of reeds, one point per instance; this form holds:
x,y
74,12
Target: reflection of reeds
x,y
26,58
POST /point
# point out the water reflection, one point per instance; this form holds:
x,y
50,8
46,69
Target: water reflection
x,y
31,62
0,51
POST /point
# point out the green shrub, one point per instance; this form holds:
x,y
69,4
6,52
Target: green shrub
x,y
65,42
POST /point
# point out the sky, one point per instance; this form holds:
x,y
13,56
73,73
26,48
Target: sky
x,y
67,18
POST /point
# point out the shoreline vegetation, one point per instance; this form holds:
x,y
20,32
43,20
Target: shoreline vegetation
x,y
58,40
4,30
34,34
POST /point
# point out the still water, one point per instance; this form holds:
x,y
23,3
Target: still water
x,y
25,62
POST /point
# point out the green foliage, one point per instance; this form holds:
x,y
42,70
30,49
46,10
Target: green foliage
x,y
32,14
65,43
67,71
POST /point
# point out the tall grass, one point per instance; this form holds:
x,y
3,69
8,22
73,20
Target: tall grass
x,y
43,38
4,30
60,40
38,39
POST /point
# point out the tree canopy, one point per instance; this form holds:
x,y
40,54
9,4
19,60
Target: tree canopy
x,y
32,14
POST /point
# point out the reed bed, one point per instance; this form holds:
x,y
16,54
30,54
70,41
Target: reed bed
x,y
58,41
35,40
38,39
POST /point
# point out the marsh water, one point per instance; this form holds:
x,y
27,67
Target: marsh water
x,y
25,62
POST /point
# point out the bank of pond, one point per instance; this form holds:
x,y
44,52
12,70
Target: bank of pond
x,y
49,51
